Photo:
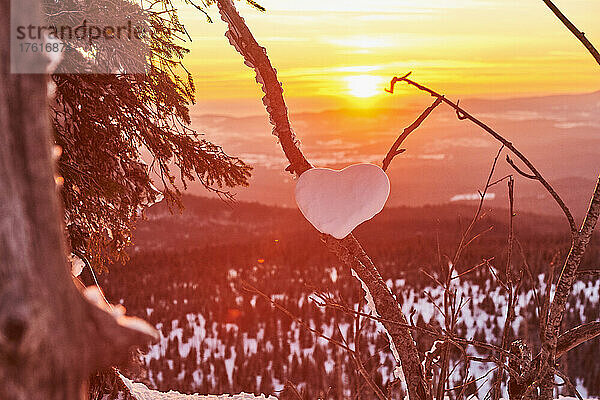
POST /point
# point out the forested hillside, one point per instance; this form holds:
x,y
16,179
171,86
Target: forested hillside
x,y
187,280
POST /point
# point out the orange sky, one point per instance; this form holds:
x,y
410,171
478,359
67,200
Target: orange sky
x,y
334,53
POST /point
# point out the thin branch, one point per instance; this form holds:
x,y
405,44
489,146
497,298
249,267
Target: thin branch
x,y
588,272
394,150
519,170
546,305
289,385
484,262
463,240
578,34
512,293
500,180
252,289
437,335
499,138
530,275
576,336
362,370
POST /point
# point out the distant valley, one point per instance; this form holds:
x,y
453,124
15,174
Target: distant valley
x,y
446,159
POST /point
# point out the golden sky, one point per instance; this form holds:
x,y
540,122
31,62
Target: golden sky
x,y
335,53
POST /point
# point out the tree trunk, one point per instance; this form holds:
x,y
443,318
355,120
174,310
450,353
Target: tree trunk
x,y
51,337
564,287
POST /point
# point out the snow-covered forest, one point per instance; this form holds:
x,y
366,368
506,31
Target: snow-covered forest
x,y
217,337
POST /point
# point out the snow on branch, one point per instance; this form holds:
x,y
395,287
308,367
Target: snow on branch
x,y
95,296
348,250
256,57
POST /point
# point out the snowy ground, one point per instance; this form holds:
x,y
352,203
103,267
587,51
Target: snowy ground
x,y
141,392
482,317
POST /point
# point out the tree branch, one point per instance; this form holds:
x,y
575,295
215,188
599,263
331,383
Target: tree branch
x,y
394,150
569,273
578,34
519,170
576,336
348,249
255,57
465,115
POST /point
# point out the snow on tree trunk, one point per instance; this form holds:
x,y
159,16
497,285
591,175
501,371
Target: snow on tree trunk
x,y
348,250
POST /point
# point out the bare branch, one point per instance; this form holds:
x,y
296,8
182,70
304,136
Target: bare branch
x,y
484,262
578,34
588,272
349,251
530,276
519,170
576,336
251,288
569,271
463,240
407,131
289,385
549,331
362,370
546,305
256,57
512,293
465,115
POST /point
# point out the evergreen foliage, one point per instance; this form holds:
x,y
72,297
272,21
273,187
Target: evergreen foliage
x,y
120,133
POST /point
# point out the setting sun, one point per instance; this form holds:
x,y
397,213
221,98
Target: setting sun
x,y
364,85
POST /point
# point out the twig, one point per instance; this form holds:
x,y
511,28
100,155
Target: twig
x,y
362,370
500,180
465,384
530,275
512,293
578,34
519,170
293,389
252,289
499,138
588,273
394,150
576,336
546,305
462,245
484,262
436,335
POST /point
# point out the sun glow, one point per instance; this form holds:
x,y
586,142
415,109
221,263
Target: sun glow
x,y
364,85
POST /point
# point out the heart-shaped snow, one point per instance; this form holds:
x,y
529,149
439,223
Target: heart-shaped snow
x,y
336,202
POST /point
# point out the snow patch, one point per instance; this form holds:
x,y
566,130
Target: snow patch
x,y
139,391
77,264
